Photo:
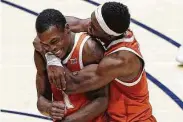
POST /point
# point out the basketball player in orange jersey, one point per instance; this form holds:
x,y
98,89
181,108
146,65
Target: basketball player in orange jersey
x,y
122,66
76,50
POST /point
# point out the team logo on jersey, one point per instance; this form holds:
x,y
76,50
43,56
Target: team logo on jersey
x,y
73,61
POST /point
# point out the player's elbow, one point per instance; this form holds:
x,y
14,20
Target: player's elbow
x,y
39,106
42,108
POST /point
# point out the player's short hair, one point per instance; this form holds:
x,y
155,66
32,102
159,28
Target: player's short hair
x,y
50,17
116,16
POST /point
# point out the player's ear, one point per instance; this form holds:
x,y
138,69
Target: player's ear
x,y
67,28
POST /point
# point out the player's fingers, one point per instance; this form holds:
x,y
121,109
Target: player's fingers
x,y
58,114
58,82
63,81
56,118
59,105
54,79
50,77
56,110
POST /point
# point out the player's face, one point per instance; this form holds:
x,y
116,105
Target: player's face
x,y
55,40
95,30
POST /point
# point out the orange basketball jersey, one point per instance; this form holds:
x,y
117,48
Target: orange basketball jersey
x,y
74,63
129,102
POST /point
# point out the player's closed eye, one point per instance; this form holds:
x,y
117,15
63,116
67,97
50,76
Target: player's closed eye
x,y
55,41
46,47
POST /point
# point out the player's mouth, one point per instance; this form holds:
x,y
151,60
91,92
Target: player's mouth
x,y
59,53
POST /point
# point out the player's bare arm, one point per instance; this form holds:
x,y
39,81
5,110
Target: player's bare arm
x,y
122,64
78,25
44,101
43,89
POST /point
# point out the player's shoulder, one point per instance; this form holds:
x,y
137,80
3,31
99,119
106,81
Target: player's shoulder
x,y
93,51
93,44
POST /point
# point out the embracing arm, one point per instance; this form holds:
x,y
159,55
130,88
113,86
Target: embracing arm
x,y
43,87
119,64
53,109
78,25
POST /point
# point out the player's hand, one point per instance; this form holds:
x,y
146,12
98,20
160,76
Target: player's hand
x,y
37,45
57,110
56,75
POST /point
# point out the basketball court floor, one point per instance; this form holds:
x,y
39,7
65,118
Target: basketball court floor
x,y
157,24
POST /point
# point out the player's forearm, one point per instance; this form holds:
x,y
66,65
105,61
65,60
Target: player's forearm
x,y
89,112
43,105
77,25
88,79
44,94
